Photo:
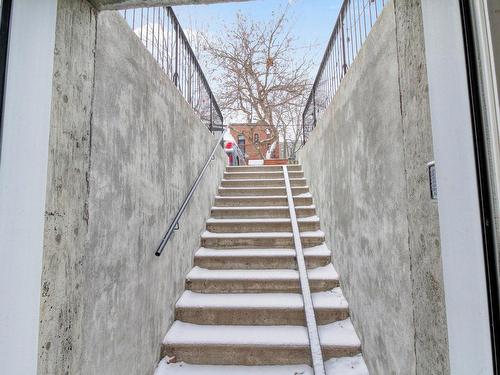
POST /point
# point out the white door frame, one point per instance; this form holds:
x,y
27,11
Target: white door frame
x,y
464,273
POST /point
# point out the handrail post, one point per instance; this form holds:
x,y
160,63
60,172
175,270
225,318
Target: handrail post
x,y
304,128
176,72
342,40
314,107
211,113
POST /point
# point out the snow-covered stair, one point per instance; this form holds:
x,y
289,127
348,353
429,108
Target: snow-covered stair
x,y
242,311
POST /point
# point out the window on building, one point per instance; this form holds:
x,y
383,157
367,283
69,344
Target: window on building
x,y
241,143
256,138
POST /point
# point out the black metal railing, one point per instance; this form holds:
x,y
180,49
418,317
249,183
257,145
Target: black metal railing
x,y
174,225
355,20
161,33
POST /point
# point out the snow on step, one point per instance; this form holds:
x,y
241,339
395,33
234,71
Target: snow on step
x,y
262,208
260,200
259,197
258,280
260,188
259,308
261,212
259,191
186,369
309,219
234,182
321,250
262,168
263,258
320,273
336,366
341,334
207,234
259,239
325,300
256,344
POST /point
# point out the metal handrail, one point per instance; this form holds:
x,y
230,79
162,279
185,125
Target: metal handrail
x,y
311,323
174,225
354,23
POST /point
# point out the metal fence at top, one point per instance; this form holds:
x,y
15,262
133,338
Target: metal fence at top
x,y
159,30
355,20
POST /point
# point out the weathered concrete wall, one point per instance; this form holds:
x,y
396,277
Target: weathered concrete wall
x,y
431,339
374,142
66,208
125,148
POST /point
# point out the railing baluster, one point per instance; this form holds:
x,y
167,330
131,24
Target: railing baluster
x,y
142,17
147,27
176,68
158,32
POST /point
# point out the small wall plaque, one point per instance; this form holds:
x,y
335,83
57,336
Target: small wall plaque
x,y
431,167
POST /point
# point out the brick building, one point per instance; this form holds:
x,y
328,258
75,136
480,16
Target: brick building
x,y
248,136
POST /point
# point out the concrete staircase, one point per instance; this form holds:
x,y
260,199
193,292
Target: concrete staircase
x,y
242,311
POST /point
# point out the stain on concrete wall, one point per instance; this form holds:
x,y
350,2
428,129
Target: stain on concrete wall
x,y
125,148
374,142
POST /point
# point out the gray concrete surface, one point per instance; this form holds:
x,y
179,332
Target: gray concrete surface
x,y
124,4
125,148
372,195
431,338
67,195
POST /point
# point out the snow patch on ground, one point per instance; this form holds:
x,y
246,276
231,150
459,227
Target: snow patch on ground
x,y
346,366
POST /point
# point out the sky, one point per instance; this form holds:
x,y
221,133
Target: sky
x,y
312,20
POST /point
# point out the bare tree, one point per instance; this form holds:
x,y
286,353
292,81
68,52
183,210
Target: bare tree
x,y
260,75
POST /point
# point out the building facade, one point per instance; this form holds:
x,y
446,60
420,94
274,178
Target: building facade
x,y
255,140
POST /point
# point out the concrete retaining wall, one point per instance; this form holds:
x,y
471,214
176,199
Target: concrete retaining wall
x,y
372,195
125,148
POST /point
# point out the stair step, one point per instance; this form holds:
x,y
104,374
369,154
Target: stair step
x,y
256,345
261,212
354,365
259,240
260,225
261,175
259,281
261,191
263,168
274,182
259,308
260,258
165,368
254,201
